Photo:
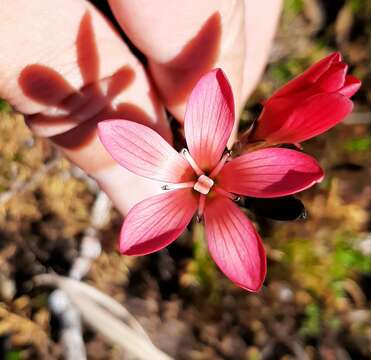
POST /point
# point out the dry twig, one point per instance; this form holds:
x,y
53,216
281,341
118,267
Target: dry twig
x,y
105,316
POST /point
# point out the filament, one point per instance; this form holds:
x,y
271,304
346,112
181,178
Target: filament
x,y
220,165
201,206
191,162
184,185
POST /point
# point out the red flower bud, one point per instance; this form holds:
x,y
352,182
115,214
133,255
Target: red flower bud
x,y
308,105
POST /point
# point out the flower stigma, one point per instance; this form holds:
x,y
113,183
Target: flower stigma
x,y
203,184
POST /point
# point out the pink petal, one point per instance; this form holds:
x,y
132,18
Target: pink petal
x,y
351,86
309,76
157,221
270,172
209,119
314,116
234,244
143,151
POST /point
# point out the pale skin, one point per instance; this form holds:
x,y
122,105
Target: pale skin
x,y
64,67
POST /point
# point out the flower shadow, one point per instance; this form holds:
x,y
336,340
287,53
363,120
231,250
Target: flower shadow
x,y
197,57
74,113
295,179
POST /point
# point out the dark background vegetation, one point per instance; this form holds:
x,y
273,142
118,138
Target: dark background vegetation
x,y
316,299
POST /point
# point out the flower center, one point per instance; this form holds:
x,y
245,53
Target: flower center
x,y
203,184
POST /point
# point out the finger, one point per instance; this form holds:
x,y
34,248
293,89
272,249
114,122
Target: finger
x,y
261,19
185,39
65,68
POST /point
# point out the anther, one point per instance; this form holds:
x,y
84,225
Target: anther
x,y
199,218
303,215
227,194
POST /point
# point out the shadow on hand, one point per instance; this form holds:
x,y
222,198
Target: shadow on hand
x,y
72,114
198,56
85,107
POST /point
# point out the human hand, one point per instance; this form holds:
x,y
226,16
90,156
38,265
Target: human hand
x,y
65,68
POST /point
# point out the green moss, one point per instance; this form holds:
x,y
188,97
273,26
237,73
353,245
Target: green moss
x,y
13,355
358,145
347,259
357,5
4,106
292,7
311,325
324,268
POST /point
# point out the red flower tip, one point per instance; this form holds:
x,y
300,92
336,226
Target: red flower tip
x,y
336,56
322,91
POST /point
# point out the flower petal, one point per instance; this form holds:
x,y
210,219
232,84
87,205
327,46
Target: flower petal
x,y
157,221
351,86
143,151
270,172
309,76
334,78
209,119
275,113
234,243
314,116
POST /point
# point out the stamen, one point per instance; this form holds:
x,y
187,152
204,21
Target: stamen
x,y
227,194
184,185
191,161
201,207
220,164
299,146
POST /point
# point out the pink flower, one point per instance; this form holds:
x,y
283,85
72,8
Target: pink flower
x,y
308,105
204,180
